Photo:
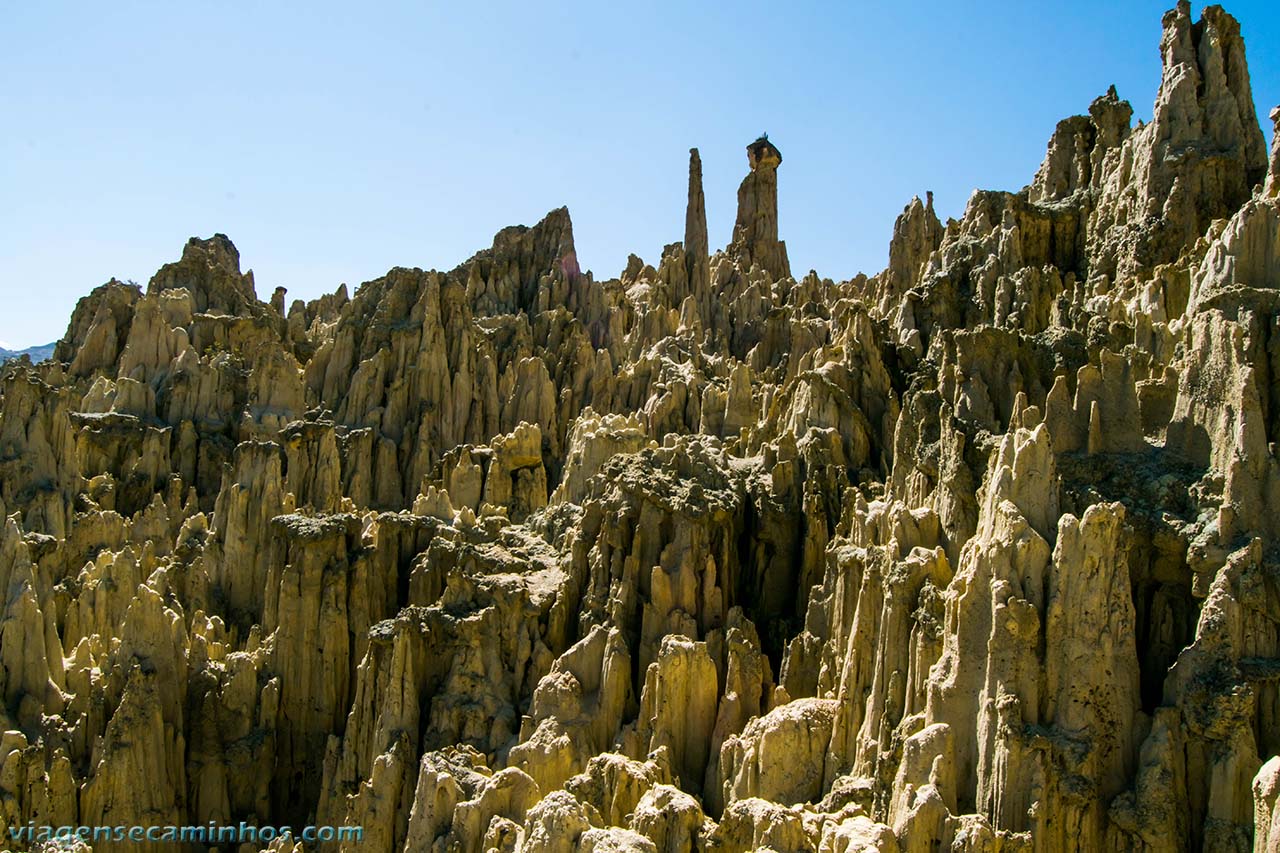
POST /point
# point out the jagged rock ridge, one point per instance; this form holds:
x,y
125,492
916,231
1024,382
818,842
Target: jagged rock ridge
x,y
974,554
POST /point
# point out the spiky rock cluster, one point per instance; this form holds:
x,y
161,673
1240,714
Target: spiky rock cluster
x,y
976,554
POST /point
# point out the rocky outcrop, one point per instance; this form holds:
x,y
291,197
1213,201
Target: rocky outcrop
x,y
755,233
695,229
972,554
1199,158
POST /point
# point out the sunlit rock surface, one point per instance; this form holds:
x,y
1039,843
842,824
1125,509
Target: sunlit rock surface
x,y
980,553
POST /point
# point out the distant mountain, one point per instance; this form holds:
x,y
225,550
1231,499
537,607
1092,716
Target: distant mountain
x,y
37,354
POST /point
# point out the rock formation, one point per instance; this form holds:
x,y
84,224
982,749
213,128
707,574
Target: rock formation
x,y
755,234
974,554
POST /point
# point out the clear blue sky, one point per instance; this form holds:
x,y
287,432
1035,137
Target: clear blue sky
x,y
332,142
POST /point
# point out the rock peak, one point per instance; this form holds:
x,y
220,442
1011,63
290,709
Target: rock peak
x,y
209,270
218,251
755,232
695,227
1272,188
763,154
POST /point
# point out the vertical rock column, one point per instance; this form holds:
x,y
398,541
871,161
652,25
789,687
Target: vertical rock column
x,y
695,229
238,555
755,233
306,610
1272,187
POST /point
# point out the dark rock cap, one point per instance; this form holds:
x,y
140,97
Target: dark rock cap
x,y
762,152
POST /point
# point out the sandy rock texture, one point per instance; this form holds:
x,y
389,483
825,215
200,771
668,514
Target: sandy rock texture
x,y
980,553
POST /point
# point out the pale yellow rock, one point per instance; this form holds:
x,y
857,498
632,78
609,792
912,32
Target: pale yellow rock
x,y
672,819
555,825
31,665
677,708
754,824
506,558
592,441
306,611
1266,807
445,779
781,756
139,744
251,495
508,794
614,785
858,834
614,840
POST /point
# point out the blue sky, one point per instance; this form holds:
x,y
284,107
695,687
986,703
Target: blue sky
x,y
332,143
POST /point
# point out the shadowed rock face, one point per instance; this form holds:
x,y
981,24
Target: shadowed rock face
x,y
975,554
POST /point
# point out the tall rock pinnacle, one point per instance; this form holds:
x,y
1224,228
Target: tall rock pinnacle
x,y
755,234
695,227
1272,188
1196,161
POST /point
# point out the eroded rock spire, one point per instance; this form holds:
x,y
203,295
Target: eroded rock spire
x,y
695,227
1272,187
755,233
975,554
1198,160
